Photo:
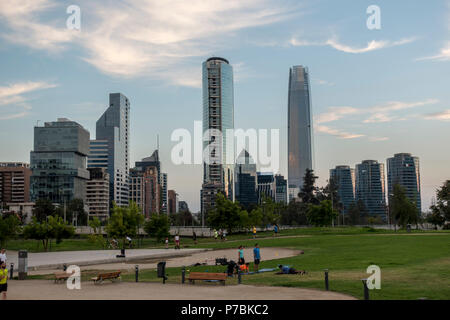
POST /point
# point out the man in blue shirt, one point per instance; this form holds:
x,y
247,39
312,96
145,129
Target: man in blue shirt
x,y
257,257
289,270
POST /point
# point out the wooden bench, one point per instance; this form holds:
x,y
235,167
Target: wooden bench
x,y
207,276
106,276
61,276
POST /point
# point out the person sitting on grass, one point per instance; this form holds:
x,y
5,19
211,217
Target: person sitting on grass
x,y
244,267
289,270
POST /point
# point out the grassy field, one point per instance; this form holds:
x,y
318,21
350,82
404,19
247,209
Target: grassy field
x,y
82,243
413,265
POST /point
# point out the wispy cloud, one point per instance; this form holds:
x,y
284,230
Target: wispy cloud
x,y
376,114
442,116
334,43
337,133
144,37
12,98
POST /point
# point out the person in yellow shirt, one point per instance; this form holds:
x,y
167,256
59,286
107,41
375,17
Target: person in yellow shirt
x,y
254,232
3,280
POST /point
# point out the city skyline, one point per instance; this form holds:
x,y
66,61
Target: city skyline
x,y
359,112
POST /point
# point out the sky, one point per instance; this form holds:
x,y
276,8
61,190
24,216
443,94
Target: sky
x,y
375,92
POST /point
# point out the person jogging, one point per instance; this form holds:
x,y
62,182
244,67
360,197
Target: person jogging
x,y
3,280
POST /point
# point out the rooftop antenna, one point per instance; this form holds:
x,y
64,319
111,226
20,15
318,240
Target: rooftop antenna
x,y
157,144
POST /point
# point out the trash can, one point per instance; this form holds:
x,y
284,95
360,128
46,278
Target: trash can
x,y
23,264
162,269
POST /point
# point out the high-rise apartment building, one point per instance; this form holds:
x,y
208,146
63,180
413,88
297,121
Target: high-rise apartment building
x,y
114,128
403,169
97,193
145,187
218,116
344,179
14,182
370,187
58,162
172,201
164,192
300,133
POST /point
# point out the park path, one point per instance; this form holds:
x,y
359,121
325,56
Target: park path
x,y
47,290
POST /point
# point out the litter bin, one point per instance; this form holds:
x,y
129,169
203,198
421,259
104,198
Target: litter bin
x,y
162,270
23,264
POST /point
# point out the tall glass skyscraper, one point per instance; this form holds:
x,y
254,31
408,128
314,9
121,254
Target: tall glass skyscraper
x,y
114,127
300,146
370,187
403,169
344,178
58,161
218,114
245,180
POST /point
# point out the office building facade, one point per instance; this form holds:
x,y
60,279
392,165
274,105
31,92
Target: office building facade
x,y
300,131
245,180
114,127
403,169
58,162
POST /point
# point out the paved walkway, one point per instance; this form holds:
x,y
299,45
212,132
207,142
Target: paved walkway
x,y
47,290
56,260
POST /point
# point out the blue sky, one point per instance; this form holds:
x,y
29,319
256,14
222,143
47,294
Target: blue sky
x,y
374,92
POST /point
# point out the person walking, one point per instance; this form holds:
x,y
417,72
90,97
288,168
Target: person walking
x,y
257,257
194,237
3,280
167,243
215,234
177,241
2,256
254,232
275,231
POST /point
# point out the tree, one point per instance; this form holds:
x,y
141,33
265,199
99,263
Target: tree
x,y
9,227
294,213
42,209
255,217
124,221
357,213
226,214
441,210
308,190
403,210
271,211
97,236
52,228
322,214
158,226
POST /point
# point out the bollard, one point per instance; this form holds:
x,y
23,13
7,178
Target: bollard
x,y
23,264
183,275
239,277
366,289
136,268
326,280
11,271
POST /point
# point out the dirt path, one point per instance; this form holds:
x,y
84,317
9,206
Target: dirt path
x,y
47,290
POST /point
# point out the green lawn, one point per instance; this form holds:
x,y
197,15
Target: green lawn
x,y
412,265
